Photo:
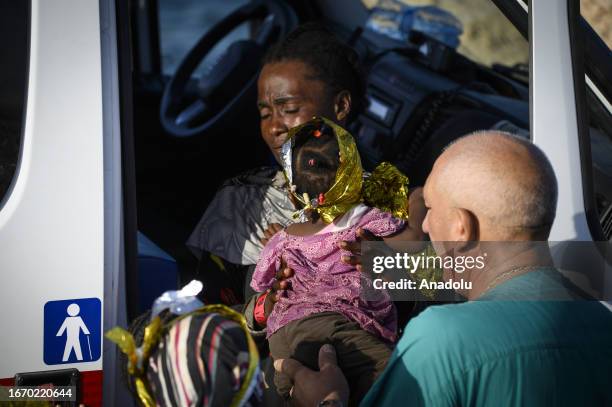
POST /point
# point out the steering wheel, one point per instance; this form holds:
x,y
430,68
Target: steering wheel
x,y
232,78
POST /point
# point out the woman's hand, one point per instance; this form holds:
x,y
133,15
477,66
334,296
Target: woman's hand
x,y
311,387
280,284
273,228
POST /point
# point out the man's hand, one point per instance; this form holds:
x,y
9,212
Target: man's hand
x,y
273,228
355,247
311,387
413,232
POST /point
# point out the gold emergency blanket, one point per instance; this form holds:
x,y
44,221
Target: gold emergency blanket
x,y
386,188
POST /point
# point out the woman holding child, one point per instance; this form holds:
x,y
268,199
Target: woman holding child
x,y
309,216
309,74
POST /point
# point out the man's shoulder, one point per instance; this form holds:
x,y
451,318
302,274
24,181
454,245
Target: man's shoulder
x,y
442,329
447,350
452,317
463,331
480,329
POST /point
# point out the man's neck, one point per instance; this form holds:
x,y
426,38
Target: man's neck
x,y
505,261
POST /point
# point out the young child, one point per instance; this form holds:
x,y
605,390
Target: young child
x,y
324,304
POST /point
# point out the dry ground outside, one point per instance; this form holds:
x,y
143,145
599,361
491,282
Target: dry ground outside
x,y
488,37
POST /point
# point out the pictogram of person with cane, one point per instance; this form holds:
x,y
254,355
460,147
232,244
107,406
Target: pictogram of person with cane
x,y
73,324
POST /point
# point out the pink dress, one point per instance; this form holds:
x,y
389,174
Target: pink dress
x,y
322,283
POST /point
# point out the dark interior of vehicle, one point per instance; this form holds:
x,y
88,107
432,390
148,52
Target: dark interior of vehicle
x,y
191,134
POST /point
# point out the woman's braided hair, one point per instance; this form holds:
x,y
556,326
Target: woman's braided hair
x,y
329,59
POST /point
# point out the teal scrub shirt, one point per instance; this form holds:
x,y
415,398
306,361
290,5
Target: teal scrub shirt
x,y
505,349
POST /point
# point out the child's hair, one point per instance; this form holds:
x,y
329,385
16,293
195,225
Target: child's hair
x,y
315,160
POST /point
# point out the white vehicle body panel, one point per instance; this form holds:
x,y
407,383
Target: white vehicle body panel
x,y
554,125
52,223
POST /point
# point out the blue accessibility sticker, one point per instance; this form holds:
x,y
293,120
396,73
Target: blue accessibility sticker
x,y
72,331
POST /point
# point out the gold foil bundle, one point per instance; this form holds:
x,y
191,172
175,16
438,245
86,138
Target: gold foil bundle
x,y
387,189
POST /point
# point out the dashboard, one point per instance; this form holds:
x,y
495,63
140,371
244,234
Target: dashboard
x,y
402,92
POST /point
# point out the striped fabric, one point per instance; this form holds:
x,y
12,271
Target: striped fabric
x,y
202,361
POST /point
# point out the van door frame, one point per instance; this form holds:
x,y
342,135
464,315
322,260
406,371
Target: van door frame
x,y
120,224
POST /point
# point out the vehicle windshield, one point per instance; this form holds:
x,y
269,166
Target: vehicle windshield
x,y
488,37
597,14
182,22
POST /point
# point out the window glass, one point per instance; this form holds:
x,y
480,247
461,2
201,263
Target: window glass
x,y
600,132
488,36
182,23
14,49
598,13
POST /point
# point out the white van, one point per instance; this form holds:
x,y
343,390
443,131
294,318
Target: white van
x,y
88,158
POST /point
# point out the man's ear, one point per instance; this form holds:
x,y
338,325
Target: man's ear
x,y
466,227
342,105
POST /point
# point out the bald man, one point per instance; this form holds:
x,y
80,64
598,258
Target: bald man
x,y
505,181
502,349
